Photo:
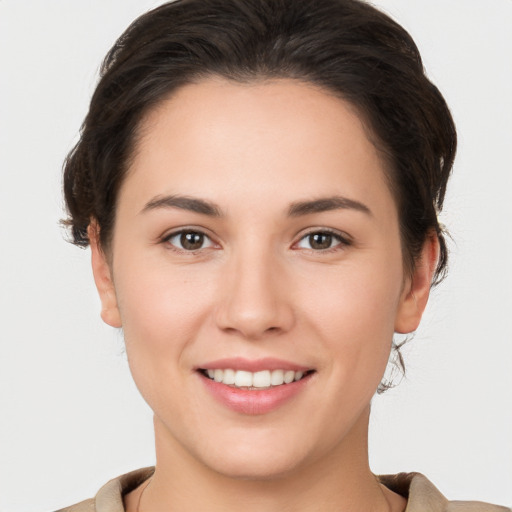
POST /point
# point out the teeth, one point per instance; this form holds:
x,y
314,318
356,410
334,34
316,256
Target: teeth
x,y
289,376
277,378
229,377
262,379
243,379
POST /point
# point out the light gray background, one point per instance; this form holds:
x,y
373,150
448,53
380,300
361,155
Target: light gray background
x,y
70,417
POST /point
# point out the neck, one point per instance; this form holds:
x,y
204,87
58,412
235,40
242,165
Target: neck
x,y
340,480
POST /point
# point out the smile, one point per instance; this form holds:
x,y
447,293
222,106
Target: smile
x,y
254,387
264,379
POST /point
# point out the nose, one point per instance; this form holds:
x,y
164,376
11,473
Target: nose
x,y
255,300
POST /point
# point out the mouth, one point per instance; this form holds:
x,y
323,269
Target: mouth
x,y
255,386
254,381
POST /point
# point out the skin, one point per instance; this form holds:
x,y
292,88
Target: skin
x,y
258,288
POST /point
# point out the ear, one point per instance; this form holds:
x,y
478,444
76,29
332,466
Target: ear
x,y
103,279
417,287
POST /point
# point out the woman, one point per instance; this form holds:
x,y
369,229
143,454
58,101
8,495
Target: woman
x,y
259,182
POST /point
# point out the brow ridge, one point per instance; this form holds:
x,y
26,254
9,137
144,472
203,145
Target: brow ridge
x,y
324,204
184,203
296,209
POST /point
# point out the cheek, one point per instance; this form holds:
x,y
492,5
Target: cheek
x,y
157,299
161,313
353,314
161,310
354,298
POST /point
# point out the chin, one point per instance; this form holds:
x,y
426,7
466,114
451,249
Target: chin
x,y
259,455
257,468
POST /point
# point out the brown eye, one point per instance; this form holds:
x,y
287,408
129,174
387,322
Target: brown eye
x,y
321,241
189,240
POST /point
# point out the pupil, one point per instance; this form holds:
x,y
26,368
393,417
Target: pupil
x,y
320,241
191,241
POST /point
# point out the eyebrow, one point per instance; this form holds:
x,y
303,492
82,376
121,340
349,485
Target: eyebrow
x,y
325,204
191,204
296,209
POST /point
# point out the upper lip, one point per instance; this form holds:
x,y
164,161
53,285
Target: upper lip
x,y
252,365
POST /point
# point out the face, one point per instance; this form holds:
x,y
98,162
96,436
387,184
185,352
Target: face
x,y
256,271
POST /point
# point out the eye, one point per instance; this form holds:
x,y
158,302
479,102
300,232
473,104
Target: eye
x,y
321,241
189,240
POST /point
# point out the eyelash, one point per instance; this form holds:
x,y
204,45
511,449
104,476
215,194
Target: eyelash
x,y
342,240
183,232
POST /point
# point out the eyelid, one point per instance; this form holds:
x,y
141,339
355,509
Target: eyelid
x,y
165,239
344,239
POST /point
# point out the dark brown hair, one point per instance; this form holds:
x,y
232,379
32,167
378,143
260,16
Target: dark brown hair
x,y
345,46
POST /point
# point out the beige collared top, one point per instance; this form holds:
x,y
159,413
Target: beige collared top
x,y
422,495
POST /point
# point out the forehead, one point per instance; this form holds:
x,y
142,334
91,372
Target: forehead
x,y
267,139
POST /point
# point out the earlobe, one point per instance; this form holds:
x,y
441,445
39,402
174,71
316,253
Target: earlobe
x,y
103,279
417,288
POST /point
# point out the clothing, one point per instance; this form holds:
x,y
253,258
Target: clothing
x,y
421,494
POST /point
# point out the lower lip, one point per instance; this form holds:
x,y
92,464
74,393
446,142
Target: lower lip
x,y
254,401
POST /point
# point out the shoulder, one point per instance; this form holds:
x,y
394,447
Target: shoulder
x,y
474,506
83,506
110,497
424,496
